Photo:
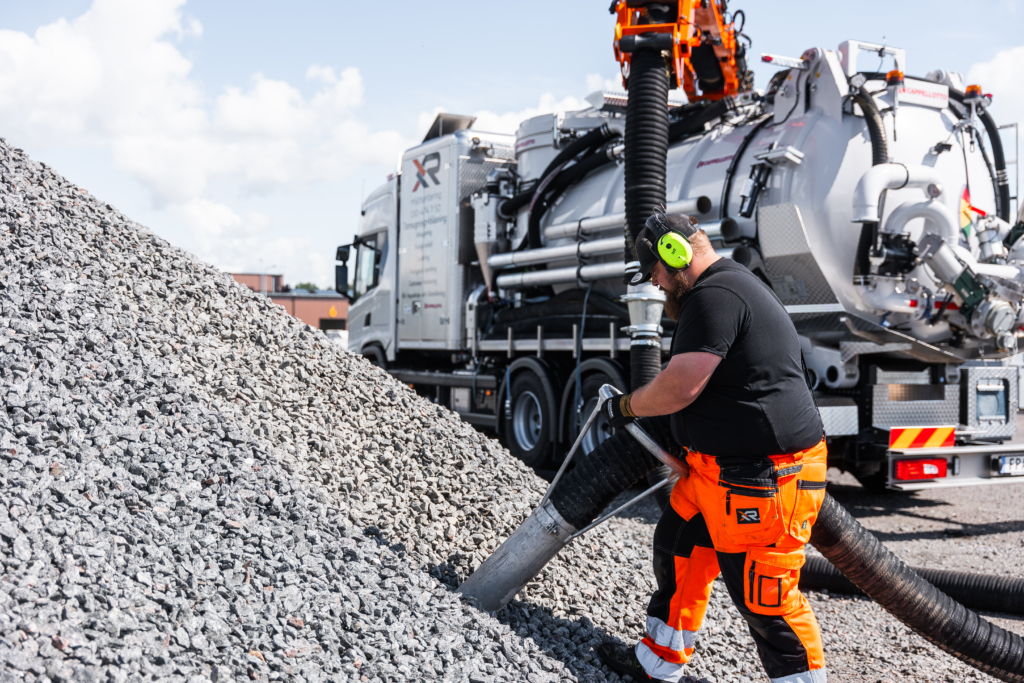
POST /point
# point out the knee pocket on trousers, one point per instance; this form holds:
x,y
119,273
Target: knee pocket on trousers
x,y
771,581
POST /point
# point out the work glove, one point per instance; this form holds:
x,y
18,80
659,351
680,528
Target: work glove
x,y
618,412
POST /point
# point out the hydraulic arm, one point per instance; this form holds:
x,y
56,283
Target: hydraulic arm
x,y
706,56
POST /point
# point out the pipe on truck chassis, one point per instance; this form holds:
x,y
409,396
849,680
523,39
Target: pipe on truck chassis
x,y
617,220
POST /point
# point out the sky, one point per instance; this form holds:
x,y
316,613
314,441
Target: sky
x,y
247,132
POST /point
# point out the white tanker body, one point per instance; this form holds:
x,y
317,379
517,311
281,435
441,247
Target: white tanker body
x,y
883,241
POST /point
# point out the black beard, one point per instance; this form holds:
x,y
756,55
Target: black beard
x,y
674,296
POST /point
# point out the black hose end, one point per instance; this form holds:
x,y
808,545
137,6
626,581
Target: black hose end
x,y
644,362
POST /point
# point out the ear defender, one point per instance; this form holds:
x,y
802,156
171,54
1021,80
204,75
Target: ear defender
x,y
675,251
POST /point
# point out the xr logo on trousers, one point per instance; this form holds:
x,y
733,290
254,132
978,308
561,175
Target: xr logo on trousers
x,y
747,516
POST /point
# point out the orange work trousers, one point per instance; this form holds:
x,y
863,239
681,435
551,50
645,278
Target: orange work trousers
x,y
747,519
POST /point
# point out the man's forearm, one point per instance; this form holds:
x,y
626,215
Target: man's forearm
x,y
659,397
676,387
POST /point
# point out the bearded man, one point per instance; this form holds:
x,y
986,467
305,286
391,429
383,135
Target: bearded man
x,y
735,398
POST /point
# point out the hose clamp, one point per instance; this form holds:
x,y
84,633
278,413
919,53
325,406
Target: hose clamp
x,y
645,342
552,522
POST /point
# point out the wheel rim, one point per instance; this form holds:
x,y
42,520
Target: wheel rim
x,y
598,432
527,420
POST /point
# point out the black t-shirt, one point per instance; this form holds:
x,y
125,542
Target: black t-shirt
x,y
757,402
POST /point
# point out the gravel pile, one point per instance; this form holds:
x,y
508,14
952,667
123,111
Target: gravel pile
x,y
196,487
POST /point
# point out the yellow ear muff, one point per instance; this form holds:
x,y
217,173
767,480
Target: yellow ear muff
x,y
675,250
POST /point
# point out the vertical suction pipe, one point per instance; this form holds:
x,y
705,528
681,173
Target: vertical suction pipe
x,y
879,156
646,152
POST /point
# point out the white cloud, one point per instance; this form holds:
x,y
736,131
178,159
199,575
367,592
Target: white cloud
x,y
115,80
1001,77
508,122
247,242
599,82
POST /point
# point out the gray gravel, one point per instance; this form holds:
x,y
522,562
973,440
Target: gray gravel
x,y
195,486
166,510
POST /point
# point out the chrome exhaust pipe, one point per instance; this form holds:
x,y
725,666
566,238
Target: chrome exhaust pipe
x,y
617,220
537,278
611,245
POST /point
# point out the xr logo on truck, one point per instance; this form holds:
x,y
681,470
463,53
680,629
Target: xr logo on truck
x,y
430,165
747,516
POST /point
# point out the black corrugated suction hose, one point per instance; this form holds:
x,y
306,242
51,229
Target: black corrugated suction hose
x,y
646,142
879,155
591,139
644,367
1000,182
646,158
616,465
940,619
977,591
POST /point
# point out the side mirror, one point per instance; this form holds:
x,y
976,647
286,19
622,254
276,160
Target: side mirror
x,y
342,254
341,281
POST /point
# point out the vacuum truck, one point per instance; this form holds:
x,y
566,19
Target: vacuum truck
x,y
489,272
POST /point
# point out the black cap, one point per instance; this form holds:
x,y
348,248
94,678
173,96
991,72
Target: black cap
x,y
657,226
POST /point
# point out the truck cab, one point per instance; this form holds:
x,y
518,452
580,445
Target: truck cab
x,y
371,290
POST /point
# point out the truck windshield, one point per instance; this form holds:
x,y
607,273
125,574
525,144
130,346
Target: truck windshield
x,y
366,271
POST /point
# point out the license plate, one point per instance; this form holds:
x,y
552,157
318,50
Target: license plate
x,y
1011,465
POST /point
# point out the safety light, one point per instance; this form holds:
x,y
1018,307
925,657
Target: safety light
x,y
894,78
973,91
931,468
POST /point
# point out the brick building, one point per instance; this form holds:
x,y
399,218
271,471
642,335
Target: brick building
x,y
325,309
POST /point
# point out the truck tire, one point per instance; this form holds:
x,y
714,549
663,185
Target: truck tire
x,y
375,355
663,495
873,480
600,430
528,431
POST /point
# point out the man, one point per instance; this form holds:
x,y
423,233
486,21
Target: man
x,y
735,396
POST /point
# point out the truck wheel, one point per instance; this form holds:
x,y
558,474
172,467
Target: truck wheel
x,y
664,494
376,356
529,429
600,430
872,479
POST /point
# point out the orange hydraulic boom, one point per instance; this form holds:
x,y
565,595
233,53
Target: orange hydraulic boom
x,y
705,57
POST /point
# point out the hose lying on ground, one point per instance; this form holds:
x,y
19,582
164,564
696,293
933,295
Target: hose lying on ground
x,y
1002,594
940,619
